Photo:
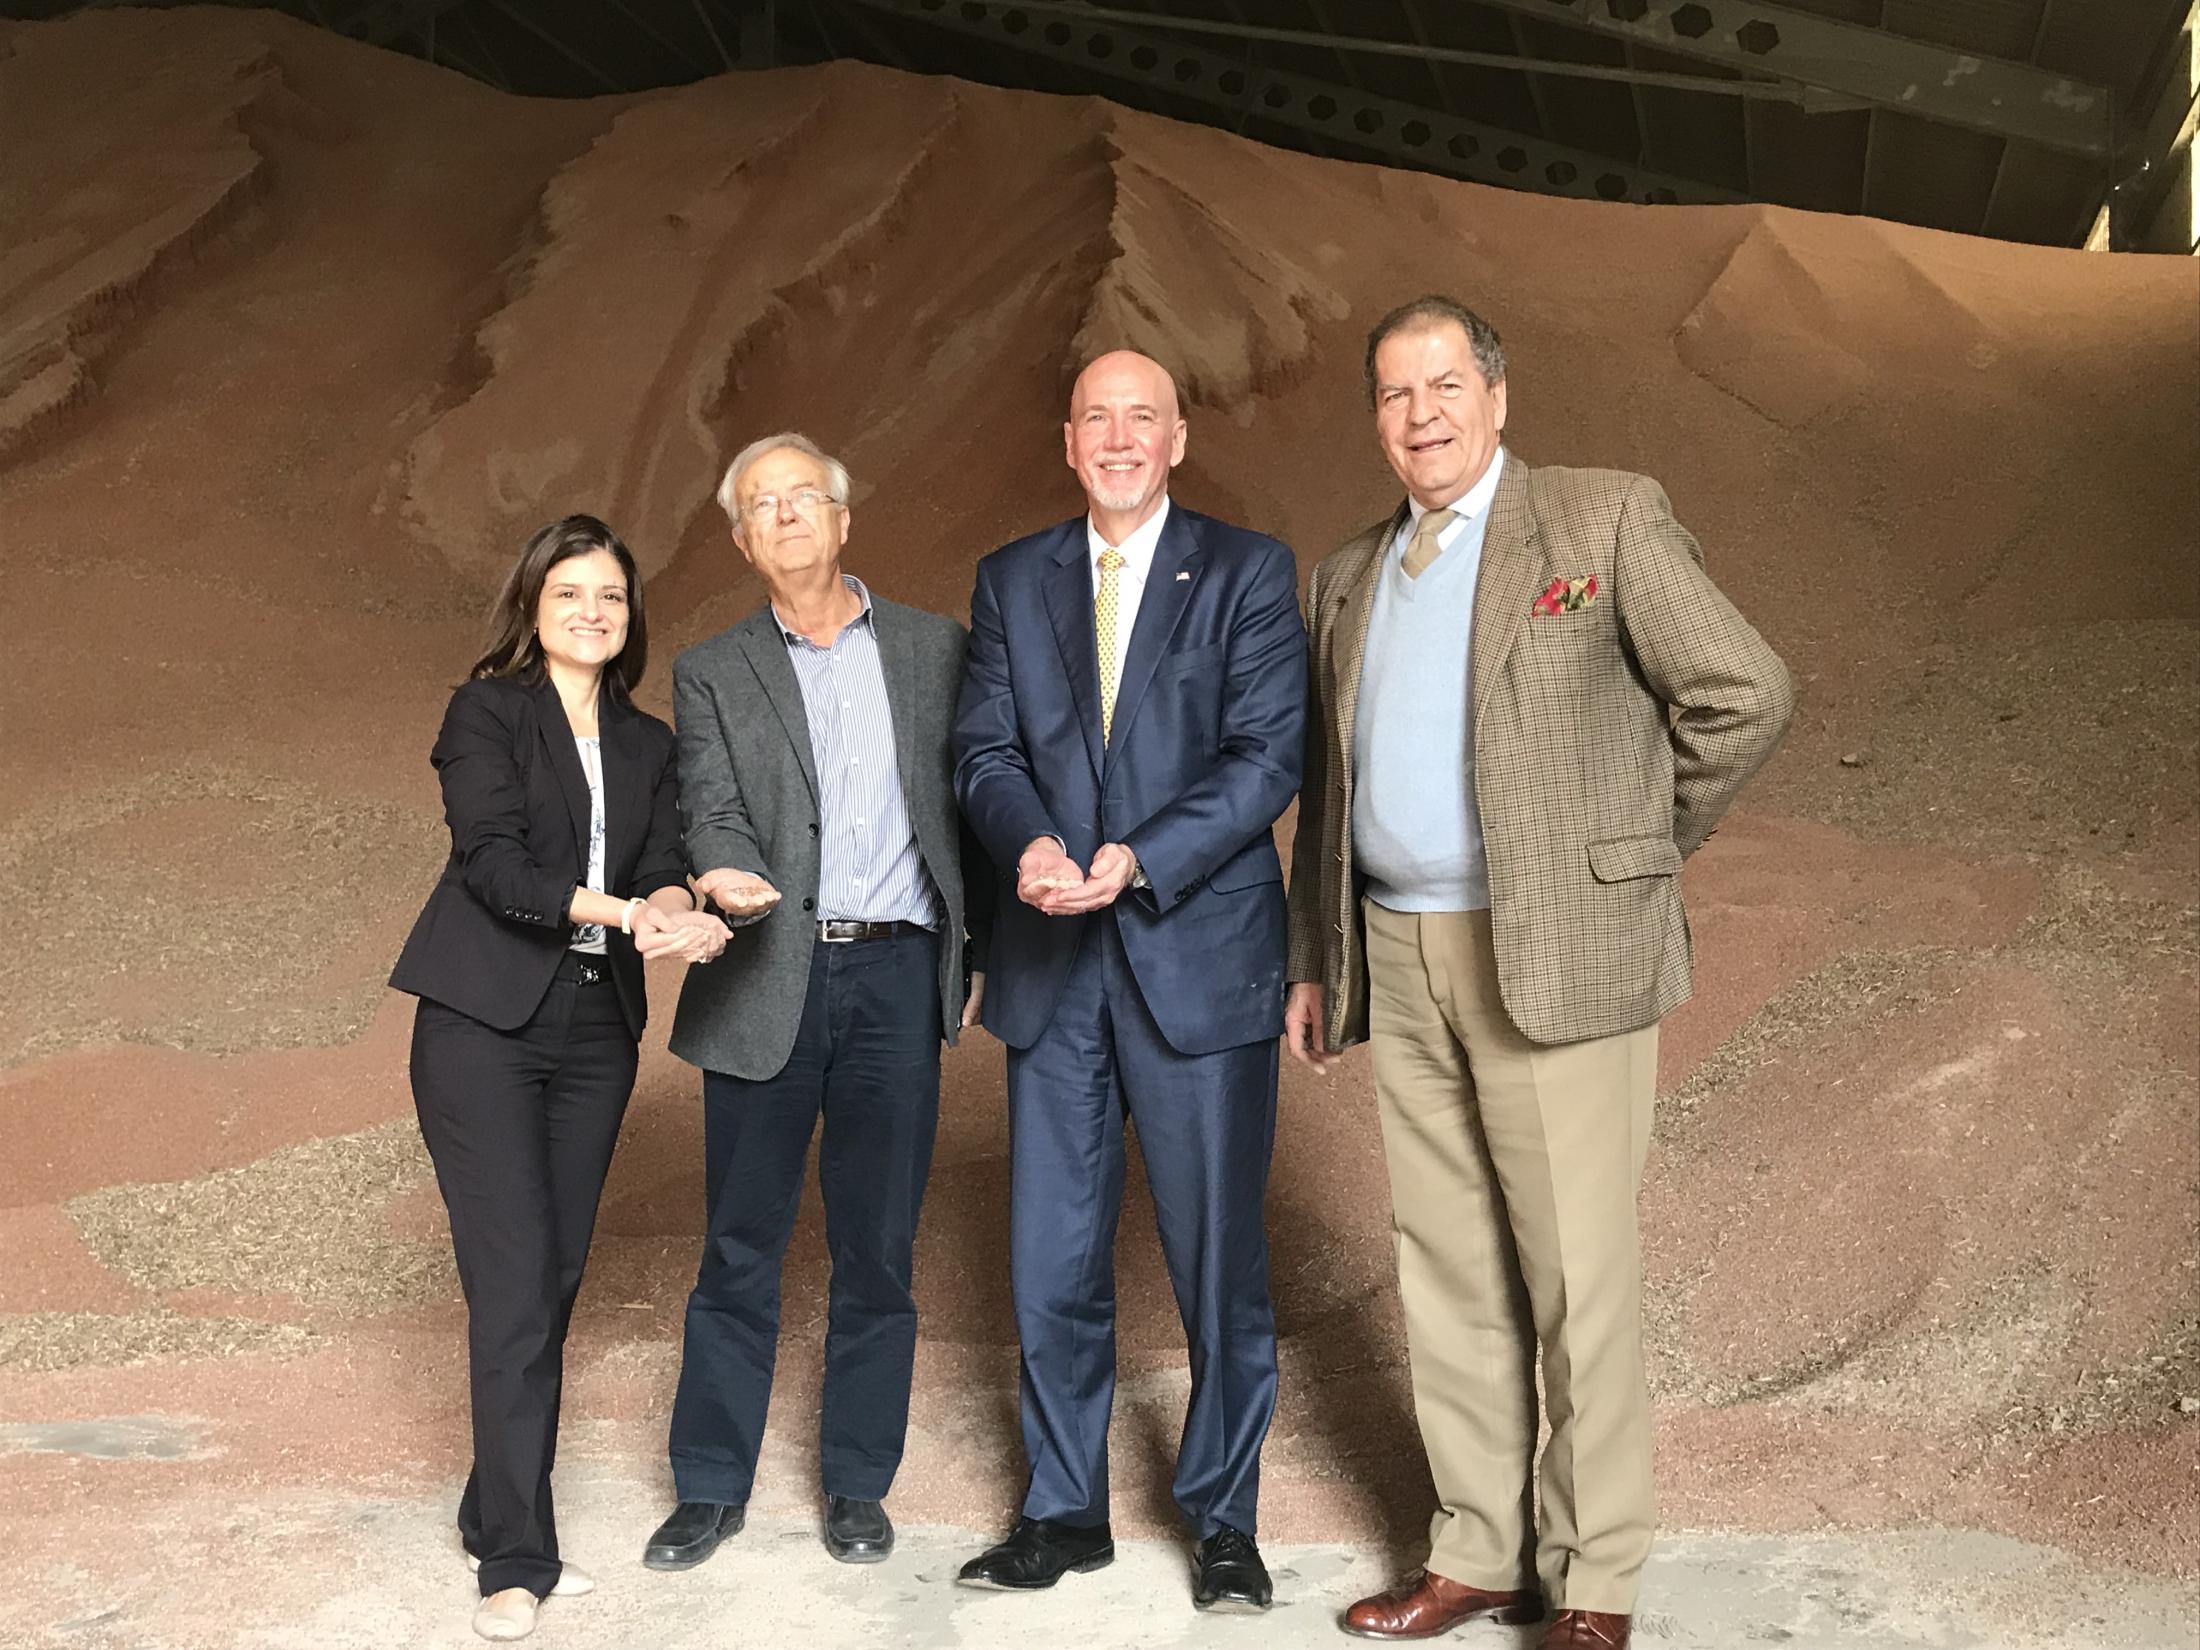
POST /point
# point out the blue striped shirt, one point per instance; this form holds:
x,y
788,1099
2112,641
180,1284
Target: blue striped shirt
x,y
869,867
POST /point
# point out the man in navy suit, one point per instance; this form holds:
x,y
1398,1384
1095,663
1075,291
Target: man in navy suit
x,y
1129,730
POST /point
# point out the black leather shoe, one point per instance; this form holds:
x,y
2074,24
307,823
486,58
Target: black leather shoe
x,y
1232,1579
857,1532
1038,1553
692,1534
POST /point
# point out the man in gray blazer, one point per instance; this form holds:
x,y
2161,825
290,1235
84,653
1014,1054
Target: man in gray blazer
x,y
818,794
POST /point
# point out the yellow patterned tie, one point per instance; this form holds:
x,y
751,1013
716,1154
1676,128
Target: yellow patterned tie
x,y
1103,623
1423,549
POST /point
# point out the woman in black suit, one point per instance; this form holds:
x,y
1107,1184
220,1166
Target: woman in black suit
x,y
566,869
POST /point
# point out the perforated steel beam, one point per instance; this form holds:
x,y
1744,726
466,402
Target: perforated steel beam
x,y
1381,128
1348,46
1985,94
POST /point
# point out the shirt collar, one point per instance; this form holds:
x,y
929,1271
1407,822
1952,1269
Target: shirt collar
x,y
1137,550
1473,502
863,617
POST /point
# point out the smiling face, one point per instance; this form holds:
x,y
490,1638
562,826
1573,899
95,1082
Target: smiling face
x,y
581,616
1123,437
788,522
1437,419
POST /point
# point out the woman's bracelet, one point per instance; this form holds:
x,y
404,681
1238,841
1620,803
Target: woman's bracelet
x,y
626,917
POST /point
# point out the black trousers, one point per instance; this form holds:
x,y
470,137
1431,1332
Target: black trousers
x,y
867,1056
521,1125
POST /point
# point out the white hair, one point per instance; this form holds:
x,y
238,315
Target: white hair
x,y
836,473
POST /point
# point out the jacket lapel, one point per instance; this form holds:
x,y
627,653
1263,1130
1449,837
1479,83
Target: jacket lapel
x,y
1068,596
1505,587
1160,609
1354,604
565,760
766,649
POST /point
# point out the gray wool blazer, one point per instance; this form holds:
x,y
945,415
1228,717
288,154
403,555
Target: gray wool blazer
x,y
749,799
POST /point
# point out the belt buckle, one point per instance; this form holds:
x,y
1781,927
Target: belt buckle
x,y
590,973
826,936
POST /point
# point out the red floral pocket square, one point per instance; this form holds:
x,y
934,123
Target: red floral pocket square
x,y
1566,596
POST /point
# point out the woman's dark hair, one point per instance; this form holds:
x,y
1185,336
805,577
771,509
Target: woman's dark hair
x,y
517,651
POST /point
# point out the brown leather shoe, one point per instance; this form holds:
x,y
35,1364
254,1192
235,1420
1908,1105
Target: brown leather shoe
x,y
1429,1605
1588,1630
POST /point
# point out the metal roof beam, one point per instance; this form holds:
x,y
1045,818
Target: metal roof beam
x,y
672,47
389,21
1812,99
702,16
2173,126
1382,129
1985,94
2001,165
1436,75
1543,122
587,66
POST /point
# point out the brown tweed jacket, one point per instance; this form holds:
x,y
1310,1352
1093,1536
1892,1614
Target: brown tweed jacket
x,y
1607,743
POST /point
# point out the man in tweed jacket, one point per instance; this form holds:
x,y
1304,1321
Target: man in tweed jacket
x,y
1529,706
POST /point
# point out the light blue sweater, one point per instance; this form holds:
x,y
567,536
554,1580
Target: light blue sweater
x,y
1416,831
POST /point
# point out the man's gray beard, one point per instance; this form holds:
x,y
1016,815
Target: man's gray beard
x,y
1119,501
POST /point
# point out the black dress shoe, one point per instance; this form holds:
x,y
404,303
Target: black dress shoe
x,y
857,1532
1038,1553
1232,1579
692,1534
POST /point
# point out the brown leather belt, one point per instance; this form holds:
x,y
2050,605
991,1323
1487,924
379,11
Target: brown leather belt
x,y
840,931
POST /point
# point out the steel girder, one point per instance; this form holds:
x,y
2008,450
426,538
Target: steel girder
x,y
1385,129
1940,83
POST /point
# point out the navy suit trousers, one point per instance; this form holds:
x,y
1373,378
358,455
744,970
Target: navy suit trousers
x,y
1206,1126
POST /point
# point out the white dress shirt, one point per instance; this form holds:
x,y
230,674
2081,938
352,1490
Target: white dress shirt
x,y
1130,579
589,936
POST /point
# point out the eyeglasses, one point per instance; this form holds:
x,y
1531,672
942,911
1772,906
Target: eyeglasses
x,y
765,506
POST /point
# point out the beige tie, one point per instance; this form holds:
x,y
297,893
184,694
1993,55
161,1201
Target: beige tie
x,y
1422,550
1103,623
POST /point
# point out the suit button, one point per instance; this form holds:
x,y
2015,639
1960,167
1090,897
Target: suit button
x,y
813,827
809,905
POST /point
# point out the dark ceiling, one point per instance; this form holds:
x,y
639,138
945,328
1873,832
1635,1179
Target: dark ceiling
x,y
2012,118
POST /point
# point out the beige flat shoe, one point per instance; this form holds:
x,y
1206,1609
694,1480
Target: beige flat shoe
x,y
573,1581
507,1615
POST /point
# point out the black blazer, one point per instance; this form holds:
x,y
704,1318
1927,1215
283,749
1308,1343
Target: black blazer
x,y
491,935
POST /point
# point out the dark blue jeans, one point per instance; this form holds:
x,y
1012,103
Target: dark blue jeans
x,y
867,1057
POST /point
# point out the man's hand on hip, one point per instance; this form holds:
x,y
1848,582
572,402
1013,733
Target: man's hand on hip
x,y
1112,869
1305,1008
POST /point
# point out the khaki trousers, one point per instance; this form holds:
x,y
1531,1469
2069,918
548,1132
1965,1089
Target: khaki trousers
x,y
1514,1168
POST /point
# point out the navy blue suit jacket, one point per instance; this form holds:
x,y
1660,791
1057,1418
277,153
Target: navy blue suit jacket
x,y
1205,756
